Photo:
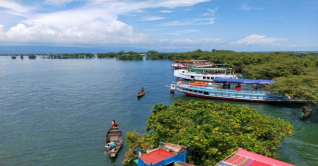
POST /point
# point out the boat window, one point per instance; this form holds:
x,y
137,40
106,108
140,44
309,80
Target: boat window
x,y
204,77
190,90
200,91
208,77
182,71
206,93
212,78
192,76
186,89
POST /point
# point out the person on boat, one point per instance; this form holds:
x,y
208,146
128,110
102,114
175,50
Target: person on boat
x,y
238,87
110,145
114,123
229,86
142,89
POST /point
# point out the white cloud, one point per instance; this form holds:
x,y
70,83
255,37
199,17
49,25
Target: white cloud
x,y
190,30
166,11
14,8
211,13
153,18
195,21
94,23
247,8
257,39
57,2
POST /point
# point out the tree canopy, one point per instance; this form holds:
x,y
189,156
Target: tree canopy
x,y
212,131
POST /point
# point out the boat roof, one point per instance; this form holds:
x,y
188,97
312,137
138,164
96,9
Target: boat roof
x,y
156,156
189,61
209,68
244,81
245,158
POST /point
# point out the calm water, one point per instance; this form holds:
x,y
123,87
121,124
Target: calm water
x,y
56,112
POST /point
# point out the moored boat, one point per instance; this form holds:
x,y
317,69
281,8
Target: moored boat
x,y
115,135
204,74
166,154
184,64
305,112
235,89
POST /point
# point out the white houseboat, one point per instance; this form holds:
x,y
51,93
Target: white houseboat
x,y
204,74
184,64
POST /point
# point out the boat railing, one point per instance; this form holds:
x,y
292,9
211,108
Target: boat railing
x,y
231,90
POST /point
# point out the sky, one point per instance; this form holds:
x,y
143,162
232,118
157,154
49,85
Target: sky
x,y
161,25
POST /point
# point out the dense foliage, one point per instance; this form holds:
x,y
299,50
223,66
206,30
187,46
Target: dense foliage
x,y
295,73
129,56
212,131
71,56
32,56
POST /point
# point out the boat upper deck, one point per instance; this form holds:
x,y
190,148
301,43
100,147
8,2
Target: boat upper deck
x,y
232,90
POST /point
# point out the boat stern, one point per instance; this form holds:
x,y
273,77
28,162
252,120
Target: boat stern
x,y
173,87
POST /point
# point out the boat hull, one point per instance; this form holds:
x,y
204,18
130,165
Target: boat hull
x,y
140,94
114,134
304,114
240,99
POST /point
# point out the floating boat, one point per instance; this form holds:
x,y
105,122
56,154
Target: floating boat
x,y
114,134
305,112
141,93
234,89
184,64
204,74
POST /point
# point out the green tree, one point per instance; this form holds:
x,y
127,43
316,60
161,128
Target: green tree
x,y
121,52
32,56
211,130
198,50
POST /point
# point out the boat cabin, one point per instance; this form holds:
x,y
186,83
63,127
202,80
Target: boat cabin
x,y
238,84
166,154
246,158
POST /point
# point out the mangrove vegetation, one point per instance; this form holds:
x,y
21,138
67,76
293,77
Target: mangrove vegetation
x,y
211,131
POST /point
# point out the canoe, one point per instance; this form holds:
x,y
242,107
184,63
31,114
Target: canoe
x,y
114,134
140,93
305,112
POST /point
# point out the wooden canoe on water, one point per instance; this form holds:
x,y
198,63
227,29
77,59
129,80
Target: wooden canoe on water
x,y
114,134
140,93
305,112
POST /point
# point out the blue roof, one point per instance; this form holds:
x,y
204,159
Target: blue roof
x,y
244,81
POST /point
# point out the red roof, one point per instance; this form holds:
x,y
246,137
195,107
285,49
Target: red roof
x,y
246,158
156,156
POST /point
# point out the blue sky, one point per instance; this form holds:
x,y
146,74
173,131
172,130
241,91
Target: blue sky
x,y
162,25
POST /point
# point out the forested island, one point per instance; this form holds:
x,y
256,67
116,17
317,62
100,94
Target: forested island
x,y
211,131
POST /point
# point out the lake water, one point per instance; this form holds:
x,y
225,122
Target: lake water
x,y
57,112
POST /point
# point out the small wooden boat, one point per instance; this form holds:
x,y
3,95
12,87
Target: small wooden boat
x,y
140,93
305,112
114,134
